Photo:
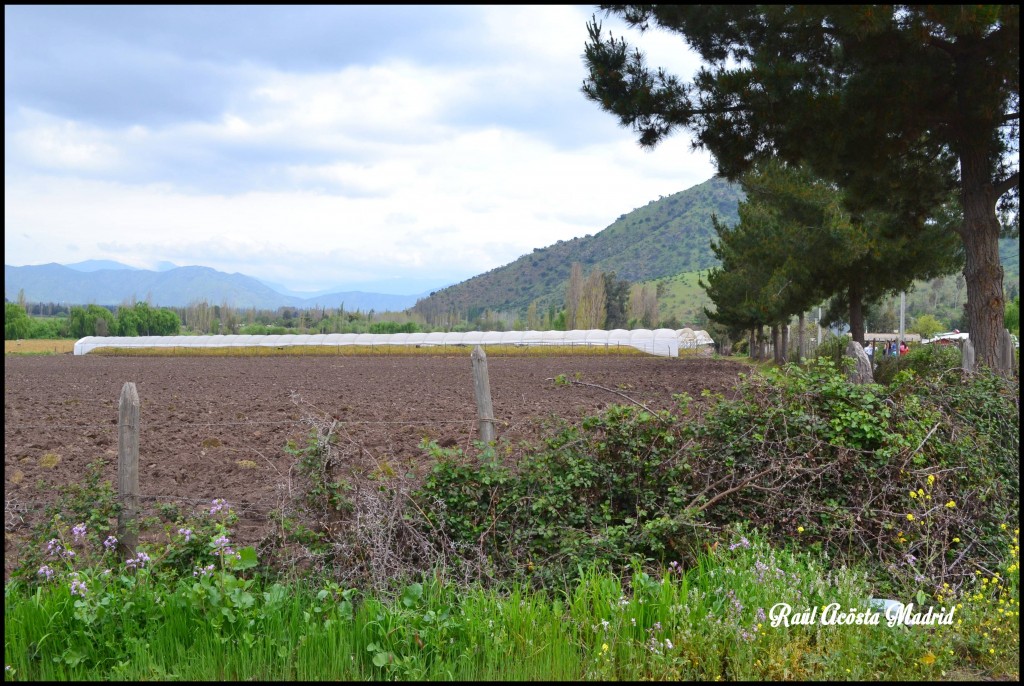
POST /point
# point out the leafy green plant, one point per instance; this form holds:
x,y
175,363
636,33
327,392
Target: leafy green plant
x,y
325,491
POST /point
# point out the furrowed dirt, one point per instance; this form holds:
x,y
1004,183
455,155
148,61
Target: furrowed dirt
x,y
217,427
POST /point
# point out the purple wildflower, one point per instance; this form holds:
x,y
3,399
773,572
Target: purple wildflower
x,y
187,533
78,588
46,571
137,562
78,532
203,571
222,547
110,542
743,543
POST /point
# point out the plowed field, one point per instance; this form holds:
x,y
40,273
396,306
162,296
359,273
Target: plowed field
x,y
216,427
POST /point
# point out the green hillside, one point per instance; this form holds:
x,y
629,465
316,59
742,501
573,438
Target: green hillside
x,y
666,244
667,236
681,299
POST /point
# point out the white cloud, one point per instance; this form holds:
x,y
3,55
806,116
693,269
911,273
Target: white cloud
x,y
349,173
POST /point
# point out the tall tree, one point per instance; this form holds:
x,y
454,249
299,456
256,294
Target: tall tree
x,y
532,320
573,293
593,303
643,306
16,322
796,244
616,293
896,103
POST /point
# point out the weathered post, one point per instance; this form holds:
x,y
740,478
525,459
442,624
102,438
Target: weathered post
x,y
128,469
1006,356
482,389
861,373
967,358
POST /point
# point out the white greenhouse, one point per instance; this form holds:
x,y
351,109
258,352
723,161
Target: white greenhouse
x,y
663,342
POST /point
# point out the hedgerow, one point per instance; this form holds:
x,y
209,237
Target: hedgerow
x,y
917,479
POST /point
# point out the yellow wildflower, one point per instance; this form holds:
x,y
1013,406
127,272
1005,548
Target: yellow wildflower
x,y
910,517
951,504
799,529
931,479
956,540
920,491
913,494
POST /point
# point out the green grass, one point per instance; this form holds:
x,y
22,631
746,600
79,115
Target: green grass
x,y
683,299
708,622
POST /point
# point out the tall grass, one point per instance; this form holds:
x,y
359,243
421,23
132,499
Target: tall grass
x,y
709,622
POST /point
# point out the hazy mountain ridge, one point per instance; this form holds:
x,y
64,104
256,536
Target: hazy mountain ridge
x,y
665,237
87,282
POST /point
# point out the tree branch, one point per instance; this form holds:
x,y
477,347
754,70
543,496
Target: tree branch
x,y
1006,184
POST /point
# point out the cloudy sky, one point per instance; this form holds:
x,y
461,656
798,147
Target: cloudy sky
x,y
389,149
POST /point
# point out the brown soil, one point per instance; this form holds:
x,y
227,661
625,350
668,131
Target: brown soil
x,y
216,427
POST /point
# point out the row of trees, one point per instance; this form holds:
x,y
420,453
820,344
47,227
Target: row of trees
x,y
604,301
139,319
898,107
796,244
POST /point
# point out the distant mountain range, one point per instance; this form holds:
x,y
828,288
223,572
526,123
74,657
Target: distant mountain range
x,y
665,237
105,282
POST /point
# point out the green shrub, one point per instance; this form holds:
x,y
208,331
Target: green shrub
x,y
833,348
915,480
924,360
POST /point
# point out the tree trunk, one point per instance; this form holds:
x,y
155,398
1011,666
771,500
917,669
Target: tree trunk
x,y
751,352
800,340
983,272
784,356
856,293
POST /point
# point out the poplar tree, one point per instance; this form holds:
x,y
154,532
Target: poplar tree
x,y
897,104
592,309
573,293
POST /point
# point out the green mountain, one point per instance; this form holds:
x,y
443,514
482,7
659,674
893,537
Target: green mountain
x,y
667,236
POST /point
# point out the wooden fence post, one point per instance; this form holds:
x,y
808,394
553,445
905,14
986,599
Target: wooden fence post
x,y
128,469
482,389
1006,356
967,361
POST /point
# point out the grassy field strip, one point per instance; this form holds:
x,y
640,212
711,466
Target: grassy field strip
x,y
39,347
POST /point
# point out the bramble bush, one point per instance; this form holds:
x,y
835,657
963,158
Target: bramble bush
x,y
914,479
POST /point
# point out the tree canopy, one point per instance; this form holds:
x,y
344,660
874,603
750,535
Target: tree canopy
x,y
897,104
797,244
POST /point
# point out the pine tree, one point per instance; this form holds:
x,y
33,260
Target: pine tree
x,y
897,104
